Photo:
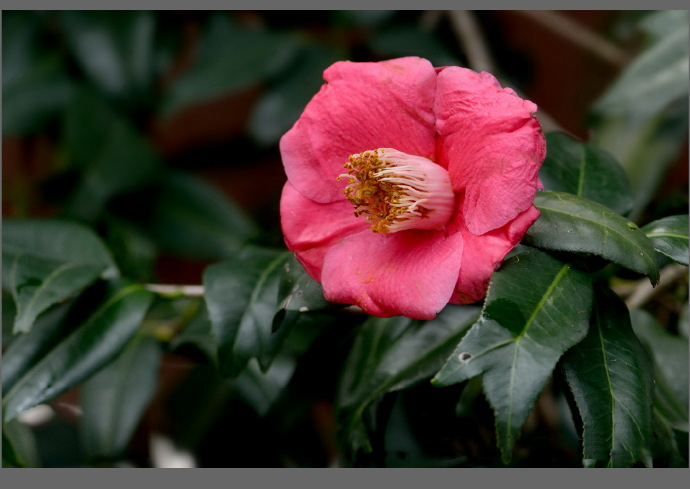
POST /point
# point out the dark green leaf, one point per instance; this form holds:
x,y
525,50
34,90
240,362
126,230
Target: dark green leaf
x,y
198,333
611,377
392,354
26,350
47,261
34,95
525,327
114,49
283,102
114,399
88,119
300,292
656,78
230,58
643,118
10,458
670,237
261,389
35,85
86,349
571,223
411,40
18,446
670,353
192,218
124,162
242,299
586,171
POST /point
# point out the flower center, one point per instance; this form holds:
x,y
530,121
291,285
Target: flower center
x,y
397,191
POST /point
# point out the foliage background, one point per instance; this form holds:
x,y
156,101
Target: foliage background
x,y
158,131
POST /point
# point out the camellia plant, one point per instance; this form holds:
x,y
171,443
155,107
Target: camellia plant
x,y
441,282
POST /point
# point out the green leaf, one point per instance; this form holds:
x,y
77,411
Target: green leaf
x,y
242,299
26,350
192,218
392,354
571,223
47,261
248,56
670,353
10,458
124,161
34,96
586,171
35,84
643,118
283,102
18,446
260,389
115,398
87,348
653,80
300,292
611,377
670,237
411,40
525,327
113,48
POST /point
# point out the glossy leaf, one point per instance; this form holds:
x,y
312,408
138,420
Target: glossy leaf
x,y
114,49
27,349
524,328
586,171
261,389
115,398
248,57
283,102
654,79
392,354
35,83
34,96
18,446
242,299
571,223
611,378
46,261
670,353
193,218
643,118
87,348
669,236
124,162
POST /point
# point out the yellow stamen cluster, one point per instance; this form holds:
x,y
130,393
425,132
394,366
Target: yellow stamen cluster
x,y
384,196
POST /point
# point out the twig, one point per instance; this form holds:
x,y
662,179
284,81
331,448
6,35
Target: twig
x,y
644,292
578,34
176,290
468,31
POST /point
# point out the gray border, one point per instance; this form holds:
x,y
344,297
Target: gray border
x,y
322,477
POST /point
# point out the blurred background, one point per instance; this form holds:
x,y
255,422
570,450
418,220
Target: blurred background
x,y
160,131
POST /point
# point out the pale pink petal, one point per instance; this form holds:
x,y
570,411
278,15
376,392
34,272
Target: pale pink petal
x,y
309,225
409,273
483,254
363,106
491,144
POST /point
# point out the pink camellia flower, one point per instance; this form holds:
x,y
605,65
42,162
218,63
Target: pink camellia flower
x,y
408,184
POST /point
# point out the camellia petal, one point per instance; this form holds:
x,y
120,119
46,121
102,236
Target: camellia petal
x,y
362,106
411,273
309,225
491,144
485,253
393,122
